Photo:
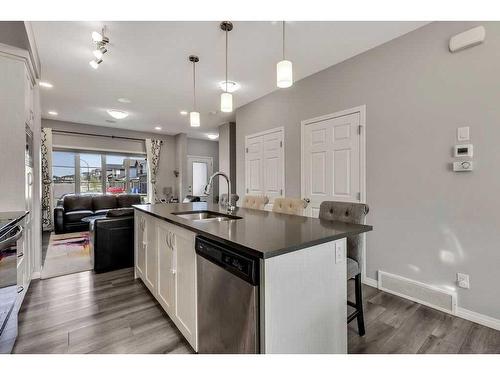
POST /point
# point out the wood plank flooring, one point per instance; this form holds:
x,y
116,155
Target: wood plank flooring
x,y
95,313
397,325
113,313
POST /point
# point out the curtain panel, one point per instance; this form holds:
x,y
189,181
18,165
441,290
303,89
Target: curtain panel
x,y
46,161
153,148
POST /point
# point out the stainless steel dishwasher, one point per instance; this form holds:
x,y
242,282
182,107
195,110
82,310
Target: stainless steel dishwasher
x,y
228,299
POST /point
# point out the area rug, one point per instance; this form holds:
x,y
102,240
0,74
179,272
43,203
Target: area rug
x,y
67,253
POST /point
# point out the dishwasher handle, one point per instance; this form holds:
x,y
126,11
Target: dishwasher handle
x,y
243,266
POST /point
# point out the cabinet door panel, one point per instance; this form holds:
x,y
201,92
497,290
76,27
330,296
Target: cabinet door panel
x,y
185,283
165,268
151,255
140,251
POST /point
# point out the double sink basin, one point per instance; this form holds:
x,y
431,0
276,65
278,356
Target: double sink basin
x,y
205,216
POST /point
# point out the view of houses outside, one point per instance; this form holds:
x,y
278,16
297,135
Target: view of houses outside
x,y
124,174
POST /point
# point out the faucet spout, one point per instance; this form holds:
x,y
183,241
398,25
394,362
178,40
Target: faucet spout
x,y
229,205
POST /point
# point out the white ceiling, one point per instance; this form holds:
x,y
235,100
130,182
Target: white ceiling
x,y
148,63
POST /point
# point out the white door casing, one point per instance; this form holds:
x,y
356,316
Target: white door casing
x,y
192,161
265,164
333,167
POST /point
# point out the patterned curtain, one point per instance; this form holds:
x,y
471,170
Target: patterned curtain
x,y
46,158
153,148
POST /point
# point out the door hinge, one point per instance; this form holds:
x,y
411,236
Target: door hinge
x,y
247,190
360,127
246,150
281,144
358,195
281,192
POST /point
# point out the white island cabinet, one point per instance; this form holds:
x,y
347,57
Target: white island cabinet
x,y
165,260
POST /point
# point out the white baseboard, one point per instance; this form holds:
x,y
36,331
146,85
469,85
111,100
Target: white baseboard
x,y
475,317
370,282
460,312
35,275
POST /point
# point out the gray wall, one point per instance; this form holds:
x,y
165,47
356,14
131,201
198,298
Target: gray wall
x,y
201,147
429,223
167,157
14,34
227,154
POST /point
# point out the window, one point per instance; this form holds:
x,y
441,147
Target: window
x,y
90,173
81,172
63,173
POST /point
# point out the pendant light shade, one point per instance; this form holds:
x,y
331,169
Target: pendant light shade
x,y
226,99
226,102
194,119
284,74
284,69
194,115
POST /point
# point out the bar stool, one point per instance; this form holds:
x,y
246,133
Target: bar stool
x,y
255,201
350,213
292,206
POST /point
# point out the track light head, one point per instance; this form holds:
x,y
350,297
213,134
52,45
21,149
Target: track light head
x,y
226,26
95,63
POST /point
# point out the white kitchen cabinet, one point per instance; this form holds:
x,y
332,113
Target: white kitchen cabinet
x,y
185,282
165,260
166,269
151,255
140,244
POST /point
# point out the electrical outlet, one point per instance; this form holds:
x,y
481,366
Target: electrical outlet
x,y
463,280
339,253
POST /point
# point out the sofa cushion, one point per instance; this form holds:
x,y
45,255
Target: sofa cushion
x,y
77,202
102,202
127,200
76,216
117,212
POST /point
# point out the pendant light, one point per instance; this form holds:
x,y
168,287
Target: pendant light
x,y
284,71
194,116
226,99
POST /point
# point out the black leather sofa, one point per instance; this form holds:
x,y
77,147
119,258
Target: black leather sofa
x,y
73,208
112,240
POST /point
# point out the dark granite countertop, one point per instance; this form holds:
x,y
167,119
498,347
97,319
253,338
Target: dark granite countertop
x,y
260,233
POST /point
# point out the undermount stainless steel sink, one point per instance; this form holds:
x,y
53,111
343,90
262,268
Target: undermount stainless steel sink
x,y
205,216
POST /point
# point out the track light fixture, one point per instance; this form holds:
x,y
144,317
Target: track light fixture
x,y
95,63
100,41
194,116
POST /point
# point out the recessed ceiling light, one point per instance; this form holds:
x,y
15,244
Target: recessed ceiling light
x,y
124,100
157,127
53,113
119,115
184,113
46,84
231,86
213,136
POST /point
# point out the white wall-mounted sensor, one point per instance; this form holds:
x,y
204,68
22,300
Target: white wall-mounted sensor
x,y
463,151
467,39
463,134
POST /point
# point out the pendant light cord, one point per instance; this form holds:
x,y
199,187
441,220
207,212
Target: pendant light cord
x,y
194,85
226,59
283,40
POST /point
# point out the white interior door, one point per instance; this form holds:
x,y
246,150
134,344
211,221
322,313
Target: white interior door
x,y
331,159
200,169
264,164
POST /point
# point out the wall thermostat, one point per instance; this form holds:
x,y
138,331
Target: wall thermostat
x,y
463,150
463,166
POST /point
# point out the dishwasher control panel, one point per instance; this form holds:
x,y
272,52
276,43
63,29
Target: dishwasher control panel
x,y
243,266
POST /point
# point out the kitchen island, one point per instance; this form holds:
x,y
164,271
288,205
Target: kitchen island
x,y
301,272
